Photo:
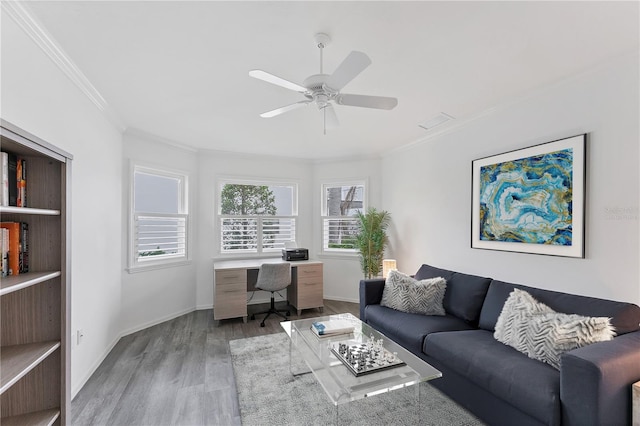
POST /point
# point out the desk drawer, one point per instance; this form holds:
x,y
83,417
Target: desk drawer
x,y
234,305
309,295
227,276
308,273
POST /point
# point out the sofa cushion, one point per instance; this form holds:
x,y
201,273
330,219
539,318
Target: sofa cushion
x,y
625,317
539,332
464,295
529,385
403,293
409,330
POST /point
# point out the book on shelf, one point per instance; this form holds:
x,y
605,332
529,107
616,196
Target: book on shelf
x,y
4,173
24,247
332,327
18,247
13,170
5,251
14,246
21,182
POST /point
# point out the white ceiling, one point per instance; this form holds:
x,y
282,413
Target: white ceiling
x,y
179,69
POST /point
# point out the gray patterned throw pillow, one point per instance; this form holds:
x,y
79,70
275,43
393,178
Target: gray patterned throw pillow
x,y
403,293
541,333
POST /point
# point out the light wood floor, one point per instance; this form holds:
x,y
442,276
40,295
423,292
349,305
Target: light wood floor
x,y
176,373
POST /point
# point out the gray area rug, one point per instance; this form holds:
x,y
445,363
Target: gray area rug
x,y
269,395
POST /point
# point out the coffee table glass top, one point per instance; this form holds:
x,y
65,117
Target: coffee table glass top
x,y
340,384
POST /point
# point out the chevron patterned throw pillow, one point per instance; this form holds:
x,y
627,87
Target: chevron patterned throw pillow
x,y
403,293
541,333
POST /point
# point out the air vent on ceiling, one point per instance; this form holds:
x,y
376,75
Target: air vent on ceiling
x,y
436,121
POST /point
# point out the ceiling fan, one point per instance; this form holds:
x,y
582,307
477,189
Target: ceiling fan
x,y
323,89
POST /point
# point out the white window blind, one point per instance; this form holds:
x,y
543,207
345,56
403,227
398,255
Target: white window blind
x,y
277,231
251,234
339,234
160,236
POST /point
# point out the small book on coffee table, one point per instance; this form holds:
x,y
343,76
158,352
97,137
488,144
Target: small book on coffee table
x,y
332,327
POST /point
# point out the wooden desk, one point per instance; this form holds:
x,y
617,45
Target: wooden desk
x,y
231,283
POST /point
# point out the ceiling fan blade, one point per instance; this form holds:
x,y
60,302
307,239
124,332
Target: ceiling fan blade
x,y
283,109
353,65
378,102
270,78
330,117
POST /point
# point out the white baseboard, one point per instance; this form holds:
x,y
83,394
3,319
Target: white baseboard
x,y
204,307
341,299
157,321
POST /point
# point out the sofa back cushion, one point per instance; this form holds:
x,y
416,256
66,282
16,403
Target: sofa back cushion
x,y
625,317
464,295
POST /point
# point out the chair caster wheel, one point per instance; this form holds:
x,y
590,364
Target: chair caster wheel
x,y
253,317
261,324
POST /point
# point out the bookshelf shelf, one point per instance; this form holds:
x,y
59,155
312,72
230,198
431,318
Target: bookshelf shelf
x,y
28,210
18,360
35,305
38,418
18,282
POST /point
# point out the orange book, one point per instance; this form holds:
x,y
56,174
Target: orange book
x,y
14,246
21,179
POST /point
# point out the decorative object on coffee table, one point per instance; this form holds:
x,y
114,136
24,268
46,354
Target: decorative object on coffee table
x,y
531,200
365,357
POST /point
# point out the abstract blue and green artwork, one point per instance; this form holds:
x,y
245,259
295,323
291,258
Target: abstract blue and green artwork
x,y
531,200
528,200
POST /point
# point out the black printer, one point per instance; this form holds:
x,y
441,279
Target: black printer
x,y
293,254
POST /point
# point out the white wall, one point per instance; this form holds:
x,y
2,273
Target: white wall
x,y
342,273
150,297
427,187
39,98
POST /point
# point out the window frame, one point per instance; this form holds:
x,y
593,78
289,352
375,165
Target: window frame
x,y
135,264
340,252
221,181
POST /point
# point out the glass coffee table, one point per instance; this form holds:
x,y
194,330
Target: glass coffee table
x,y
340,382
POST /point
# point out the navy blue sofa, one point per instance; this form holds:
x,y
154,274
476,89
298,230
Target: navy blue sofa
x,y
499,384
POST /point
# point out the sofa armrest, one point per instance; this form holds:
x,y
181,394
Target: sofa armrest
x,y
595,381
370,294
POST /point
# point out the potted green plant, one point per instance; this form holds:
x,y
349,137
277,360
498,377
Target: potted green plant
x,y
371,240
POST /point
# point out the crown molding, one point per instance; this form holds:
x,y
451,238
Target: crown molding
x,y
141,134
37,32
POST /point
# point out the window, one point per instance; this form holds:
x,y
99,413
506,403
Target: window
x,y
340,202
160,219
256,217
